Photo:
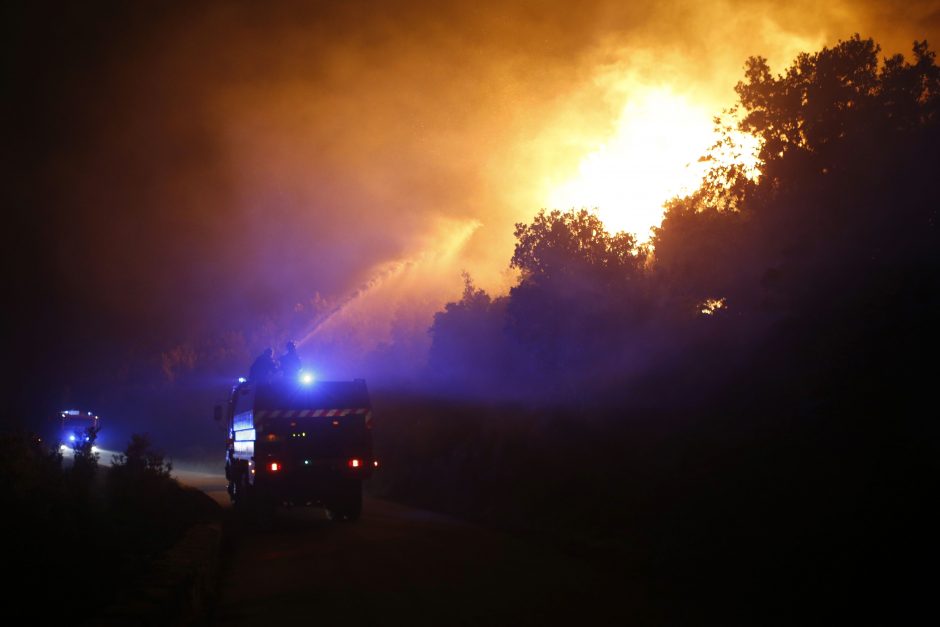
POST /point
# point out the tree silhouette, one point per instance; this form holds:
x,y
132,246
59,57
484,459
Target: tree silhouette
x,y
847,151
836,238
468,341
85,456
765,370
581,288
140,459
559,247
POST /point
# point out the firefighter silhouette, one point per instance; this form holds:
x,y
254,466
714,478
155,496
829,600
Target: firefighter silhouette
x,y
290,361
263,367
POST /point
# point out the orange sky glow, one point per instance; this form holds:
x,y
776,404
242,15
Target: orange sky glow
x,y
347,141
609,116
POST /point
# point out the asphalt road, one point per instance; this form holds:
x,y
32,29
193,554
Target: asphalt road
x,y
404,566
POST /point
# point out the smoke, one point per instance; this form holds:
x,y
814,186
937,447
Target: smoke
x,y
207,165
367,317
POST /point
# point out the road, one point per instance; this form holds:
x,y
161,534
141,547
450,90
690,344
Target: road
x,y
400,565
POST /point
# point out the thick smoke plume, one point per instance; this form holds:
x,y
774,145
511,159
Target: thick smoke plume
x,y
203,166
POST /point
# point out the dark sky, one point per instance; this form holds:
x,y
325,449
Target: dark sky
x,y
179,168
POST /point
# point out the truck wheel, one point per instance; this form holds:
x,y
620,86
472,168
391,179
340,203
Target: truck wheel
x,y
354,503
251,506
348,505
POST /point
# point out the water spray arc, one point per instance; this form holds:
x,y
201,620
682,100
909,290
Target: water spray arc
x,y
382,275
424,267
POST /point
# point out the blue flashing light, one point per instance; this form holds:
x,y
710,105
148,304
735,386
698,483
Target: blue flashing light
x,y
242,380
306,378
71,438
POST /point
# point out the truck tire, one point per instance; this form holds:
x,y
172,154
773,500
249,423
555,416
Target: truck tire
x,y
354,502
348,504
253,507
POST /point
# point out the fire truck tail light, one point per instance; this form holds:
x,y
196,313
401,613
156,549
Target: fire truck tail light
x,y
354,463
274,466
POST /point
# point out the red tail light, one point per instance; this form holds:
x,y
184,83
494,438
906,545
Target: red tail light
x,y
354,463
274,466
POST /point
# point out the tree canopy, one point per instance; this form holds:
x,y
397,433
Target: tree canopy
x,y
842,218
847,153
558,246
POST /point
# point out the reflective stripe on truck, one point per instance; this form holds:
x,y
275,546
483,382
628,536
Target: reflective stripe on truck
x,y
312,413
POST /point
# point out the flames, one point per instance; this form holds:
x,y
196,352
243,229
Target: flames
x,y
651,156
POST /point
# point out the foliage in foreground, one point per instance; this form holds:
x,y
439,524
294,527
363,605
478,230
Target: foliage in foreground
x,y
66,516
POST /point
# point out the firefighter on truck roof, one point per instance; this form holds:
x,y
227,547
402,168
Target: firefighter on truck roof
x,y
263,367
290,361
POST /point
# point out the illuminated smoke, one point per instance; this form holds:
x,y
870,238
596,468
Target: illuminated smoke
x,y
229,161
381,275
416,283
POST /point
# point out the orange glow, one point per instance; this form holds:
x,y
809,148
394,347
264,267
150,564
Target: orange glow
x,y
652,156
712,305
384,152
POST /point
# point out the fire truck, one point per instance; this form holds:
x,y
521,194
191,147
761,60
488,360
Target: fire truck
x,y
298,443
73,426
